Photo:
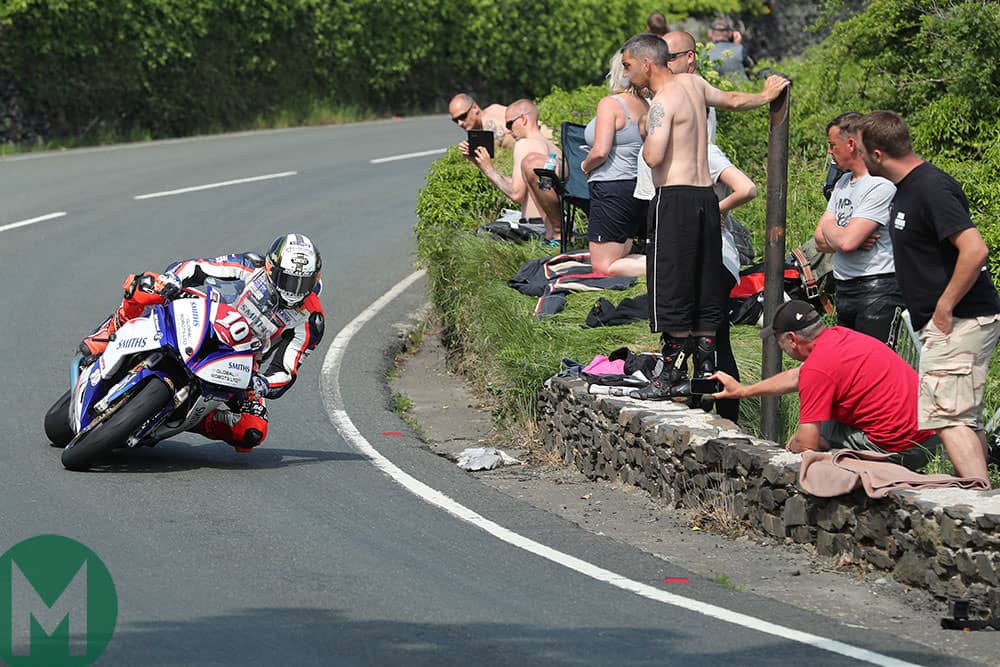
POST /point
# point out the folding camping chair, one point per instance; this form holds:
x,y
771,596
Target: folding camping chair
x,y
574,193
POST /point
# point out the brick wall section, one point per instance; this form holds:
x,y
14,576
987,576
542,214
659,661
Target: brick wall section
x,y
946,541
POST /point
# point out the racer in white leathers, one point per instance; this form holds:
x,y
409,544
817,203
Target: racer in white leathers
x,y
280,301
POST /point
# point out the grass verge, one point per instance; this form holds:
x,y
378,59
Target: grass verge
x,y
313,113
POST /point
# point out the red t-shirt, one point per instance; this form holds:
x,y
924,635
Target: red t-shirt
x,y
858,381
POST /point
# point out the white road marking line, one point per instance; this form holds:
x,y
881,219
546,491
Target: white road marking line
x,y
221,184
407,156
333,400
31,221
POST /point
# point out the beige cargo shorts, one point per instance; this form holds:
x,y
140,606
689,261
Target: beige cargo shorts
x,y
953,372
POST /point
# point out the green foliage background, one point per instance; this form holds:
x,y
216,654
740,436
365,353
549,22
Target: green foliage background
x,y
173,67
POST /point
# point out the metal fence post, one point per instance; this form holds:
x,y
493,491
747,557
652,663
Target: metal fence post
x,y
774,254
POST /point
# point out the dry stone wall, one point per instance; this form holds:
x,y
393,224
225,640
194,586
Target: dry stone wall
x,y
946,541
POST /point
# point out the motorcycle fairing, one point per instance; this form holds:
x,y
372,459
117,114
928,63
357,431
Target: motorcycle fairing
x,y
137,335
226,369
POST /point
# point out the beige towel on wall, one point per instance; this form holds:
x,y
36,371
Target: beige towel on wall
x,y
826,474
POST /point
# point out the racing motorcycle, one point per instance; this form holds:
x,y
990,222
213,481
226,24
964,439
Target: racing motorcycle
x,y
159,376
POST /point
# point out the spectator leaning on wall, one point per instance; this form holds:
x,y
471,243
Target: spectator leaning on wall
x,y
854,392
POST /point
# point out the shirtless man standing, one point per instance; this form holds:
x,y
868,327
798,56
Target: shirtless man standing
x,y
683,266
531,149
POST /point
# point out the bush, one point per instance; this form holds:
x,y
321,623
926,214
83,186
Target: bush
x,y
178,66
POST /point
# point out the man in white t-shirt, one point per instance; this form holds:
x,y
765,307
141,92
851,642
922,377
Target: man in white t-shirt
x,y
853,228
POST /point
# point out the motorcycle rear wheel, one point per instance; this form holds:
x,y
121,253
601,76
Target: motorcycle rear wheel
x,y
57,427
113,432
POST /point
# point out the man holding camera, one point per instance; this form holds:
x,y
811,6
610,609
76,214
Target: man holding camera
x,y
539,202
854,392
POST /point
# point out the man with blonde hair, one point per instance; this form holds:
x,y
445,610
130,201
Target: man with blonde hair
x,y
531,150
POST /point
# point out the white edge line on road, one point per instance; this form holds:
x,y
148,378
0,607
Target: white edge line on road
x,y
221,184
31,221
407,156
332,399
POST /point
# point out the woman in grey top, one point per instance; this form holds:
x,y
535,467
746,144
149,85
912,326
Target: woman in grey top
x,y
616,217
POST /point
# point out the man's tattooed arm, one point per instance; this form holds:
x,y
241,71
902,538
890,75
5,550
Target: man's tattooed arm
x,y
504,184
655,119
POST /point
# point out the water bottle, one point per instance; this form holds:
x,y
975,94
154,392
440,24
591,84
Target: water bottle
x,y
545,182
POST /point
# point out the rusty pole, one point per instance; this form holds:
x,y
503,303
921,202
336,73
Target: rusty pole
x,y
774,254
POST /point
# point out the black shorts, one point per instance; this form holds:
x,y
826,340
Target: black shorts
x,y
684,270
615,215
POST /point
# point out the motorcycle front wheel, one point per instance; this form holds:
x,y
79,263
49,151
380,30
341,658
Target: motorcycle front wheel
x,y
114,431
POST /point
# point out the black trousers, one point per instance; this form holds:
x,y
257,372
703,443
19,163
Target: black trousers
x,y
869,304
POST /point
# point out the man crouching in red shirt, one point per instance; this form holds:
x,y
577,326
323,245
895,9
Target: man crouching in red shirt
x,y
854,391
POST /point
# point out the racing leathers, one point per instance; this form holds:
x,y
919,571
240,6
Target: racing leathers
x,y
288,334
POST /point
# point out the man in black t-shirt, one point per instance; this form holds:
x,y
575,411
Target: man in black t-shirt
x,y
940,262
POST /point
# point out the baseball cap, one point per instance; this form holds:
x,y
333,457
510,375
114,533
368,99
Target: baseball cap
x,y
791,316
721,24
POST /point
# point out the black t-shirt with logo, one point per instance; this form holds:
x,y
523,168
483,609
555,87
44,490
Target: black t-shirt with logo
x,y
930,206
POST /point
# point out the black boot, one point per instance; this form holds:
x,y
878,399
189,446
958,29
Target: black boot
x,y
704,356
672,380
704,367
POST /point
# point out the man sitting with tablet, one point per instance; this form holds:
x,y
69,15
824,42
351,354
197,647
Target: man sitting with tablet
x,y
531,150
468,115
854,391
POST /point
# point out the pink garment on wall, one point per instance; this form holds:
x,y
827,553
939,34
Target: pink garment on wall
x,y
827,475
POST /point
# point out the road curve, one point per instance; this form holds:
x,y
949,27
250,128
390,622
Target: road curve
x,y
303,551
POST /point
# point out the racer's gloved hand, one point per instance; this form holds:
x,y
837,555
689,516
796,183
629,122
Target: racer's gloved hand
x,y
168,287
145,282
260,386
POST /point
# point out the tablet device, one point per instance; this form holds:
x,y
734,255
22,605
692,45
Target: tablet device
x,y
482,138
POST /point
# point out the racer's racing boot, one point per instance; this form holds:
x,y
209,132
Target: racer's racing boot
x,y
240,423
671,383
95,344
140,291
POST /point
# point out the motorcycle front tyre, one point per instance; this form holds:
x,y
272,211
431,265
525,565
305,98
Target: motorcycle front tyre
x,y
57,427
116,429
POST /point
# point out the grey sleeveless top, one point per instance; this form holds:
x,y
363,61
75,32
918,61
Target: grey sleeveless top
x,y
620,164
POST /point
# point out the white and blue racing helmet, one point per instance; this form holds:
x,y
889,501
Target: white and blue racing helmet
x,y
292,265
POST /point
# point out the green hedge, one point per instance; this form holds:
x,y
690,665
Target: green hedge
x,y
172,67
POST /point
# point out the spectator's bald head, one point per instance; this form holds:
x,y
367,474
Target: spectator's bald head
x,y
683,57
521,118
465,112
525,106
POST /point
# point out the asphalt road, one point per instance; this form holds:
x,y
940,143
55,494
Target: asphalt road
x,y
303,552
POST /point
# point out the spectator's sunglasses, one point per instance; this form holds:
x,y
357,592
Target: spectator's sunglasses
x,y
671,57
460,117
510,123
